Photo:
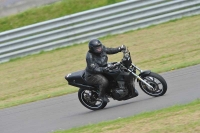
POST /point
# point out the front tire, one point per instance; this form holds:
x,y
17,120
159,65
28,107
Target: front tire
x,y
156,81
89,99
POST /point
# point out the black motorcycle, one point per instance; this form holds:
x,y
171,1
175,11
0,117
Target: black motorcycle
x,y
121,77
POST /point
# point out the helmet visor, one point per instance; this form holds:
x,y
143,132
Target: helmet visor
x,y
98,49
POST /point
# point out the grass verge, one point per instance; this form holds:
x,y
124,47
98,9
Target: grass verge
x,y
176,119
43,13
159,48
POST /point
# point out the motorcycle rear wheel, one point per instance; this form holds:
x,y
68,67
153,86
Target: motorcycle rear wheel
x,y
89,99
157,82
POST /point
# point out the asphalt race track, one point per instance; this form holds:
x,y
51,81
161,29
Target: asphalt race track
x,y
66,111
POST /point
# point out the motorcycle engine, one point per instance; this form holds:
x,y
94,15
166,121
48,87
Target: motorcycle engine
x,y
120,92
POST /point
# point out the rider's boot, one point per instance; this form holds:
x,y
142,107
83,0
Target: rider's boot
x,y
103,96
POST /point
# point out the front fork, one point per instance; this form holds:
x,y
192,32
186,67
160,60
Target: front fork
x,y
138,77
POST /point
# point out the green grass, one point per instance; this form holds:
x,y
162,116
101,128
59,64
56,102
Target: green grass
x,y
160,48
175,119
43,13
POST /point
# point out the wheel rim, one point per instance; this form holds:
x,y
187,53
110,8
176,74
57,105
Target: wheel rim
x,y
155,83
90,99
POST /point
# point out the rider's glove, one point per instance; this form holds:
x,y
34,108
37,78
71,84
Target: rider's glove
x,y
105,69
122,48
108,68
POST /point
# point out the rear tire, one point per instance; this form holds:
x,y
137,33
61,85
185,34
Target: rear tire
x,y
156,81
90,99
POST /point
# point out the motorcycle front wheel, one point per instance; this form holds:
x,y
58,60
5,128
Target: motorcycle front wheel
x,y
156,81
90,99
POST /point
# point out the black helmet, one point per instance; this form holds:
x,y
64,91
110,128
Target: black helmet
x,y
95,46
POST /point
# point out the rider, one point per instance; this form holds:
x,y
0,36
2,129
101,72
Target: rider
x,y
96,59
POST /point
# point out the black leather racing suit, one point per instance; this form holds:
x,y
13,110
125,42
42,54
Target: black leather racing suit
x,y
95,65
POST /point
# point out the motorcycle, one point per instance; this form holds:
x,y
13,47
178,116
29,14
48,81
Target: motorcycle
x,y
121,77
